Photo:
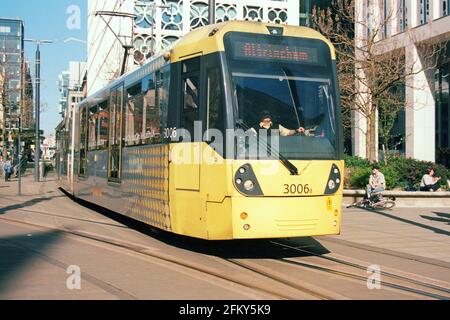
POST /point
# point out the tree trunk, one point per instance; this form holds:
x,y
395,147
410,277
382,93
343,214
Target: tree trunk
x,y
371,138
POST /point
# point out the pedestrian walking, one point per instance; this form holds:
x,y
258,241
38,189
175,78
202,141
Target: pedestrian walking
x,y
7,169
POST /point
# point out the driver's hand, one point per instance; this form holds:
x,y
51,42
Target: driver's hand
x,y
301,130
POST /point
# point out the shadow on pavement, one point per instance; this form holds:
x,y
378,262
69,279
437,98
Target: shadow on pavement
x,y
228,249
414,223
18,252
25,204
441,217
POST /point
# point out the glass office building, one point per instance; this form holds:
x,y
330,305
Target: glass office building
x,y
11,67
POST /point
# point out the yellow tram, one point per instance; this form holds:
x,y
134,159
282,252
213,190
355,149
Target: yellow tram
x,y
232,133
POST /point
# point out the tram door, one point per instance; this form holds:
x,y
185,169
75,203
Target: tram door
x,y
187,208
188,171
82,163
115,134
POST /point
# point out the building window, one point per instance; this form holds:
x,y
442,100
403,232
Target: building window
x,y
386,19
403,15
305,11
442,115
424,11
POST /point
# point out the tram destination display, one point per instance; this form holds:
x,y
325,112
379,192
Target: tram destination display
x,y
252,50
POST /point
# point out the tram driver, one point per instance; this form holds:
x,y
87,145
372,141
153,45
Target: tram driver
x,y
266,123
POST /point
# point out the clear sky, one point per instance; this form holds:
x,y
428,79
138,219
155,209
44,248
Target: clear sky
x,y
47,19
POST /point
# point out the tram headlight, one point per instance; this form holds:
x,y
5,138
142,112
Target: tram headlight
x,y
249,185
331,184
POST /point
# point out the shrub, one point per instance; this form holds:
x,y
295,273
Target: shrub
x,y
355,162
391,176
400,172
359,177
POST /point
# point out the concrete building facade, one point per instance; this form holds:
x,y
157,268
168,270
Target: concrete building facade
x,y
408,25
156,24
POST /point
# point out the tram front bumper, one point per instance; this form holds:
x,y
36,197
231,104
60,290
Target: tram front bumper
x,y
280,217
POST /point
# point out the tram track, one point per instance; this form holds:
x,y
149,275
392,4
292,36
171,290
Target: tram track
x,y
388,252
301,286
384,274
364,268
276,293
319,292
418,287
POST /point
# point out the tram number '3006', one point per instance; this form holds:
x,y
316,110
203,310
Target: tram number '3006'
x,y
297,189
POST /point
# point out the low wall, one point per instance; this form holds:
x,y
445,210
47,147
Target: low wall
x,y
405,199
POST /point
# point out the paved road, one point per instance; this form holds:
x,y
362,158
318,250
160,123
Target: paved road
x,y
43,233
417,231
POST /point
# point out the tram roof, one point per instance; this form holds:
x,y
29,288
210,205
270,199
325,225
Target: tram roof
x,y
204,40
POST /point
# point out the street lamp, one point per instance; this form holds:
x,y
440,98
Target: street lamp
x,y
37,104
212,11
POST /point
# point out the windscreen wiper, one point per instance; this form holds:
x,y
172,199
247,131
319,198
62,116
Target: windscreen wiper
x,y
289,165
284,161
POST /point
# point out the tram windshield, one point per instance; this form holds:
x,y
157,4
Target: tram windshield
x,y
284,87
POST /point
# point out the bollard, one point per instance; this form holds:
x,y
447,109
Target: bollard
x,y
41,169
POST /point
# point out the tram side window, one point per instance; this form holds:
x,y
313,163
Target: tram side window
x,y
103,125
190,104
115,134
191,95
92,130
156,101
150,119
65,151
215,113
163,83
134,116
83,140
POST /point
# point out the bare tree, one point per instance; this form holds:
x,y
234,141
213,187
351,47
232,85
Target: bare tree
x,y
370,73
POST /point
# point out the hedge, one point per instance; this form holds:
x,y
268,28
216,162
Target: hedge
x,y
400,172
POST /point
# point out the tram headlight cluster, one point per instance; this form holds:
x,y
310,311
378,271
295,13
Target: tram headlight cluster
x,y
334,180
246,182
